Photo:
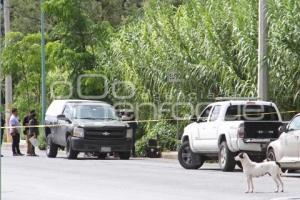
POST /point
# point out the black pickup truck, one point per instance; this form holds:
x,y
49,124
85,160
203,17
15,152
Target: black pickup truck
x,y
86,126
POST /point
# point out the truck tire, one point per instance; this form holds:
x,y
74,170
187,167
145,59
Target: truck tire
x,y
187,158
71,154
226,158
101,156
124,155
51,148
271,155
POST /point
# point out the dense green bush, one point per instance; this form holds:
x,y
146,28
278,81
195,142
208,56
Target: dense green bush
x,y
166,134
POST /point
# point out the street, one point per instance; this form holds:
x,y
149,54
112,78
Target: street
x,y
41,178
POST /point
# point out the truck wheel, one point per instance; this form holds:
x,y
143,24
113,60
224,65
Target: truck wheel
x,y
226,158
187,158
101,156
271,155
71,154
124,155
51,148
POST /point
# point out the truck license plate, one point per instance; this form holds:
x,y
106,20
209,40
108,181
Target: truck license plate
x,y
105,149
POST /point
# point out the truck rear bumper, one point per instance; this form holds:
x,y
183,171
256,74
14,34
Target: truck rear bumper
x,y
105,146
253,145
258,140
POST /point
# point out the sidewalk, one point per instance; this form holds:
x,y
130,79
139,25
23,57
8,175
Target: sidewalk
x,y
169,155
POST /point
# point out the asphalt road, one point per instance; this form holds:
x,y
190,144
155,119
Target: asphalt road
x,y
41,178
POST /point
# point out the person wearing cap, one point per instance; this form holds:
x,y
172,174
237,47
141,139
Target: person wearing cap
x,y
15,132
33,132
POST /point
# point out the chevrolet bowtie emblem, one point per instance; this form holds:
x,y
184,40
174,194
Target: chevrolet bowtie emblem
x,y
106,133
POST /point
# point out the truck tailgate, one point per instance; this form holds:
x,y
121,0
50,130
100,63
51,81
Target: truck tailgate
x,y
261,130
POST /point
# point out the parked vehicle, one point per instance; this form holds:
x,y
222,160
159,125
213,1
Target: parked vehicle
x,y
86,126
226,128
286,149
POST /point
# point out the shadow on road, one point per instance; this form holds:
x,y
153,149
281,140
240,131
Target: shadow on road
x,y
97,159
292,176
218,169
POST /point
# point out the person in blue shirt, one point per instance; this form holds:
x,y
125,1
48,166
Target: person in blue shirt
x,y
15,132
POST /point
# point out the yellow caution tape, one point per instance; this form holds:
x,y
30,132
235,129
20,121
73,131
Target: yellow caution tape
x,y
137,121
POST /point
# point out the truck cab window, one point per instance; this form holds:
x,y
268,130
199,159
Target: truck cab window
x,y
251,113
295,124
67,112
205,114
215,113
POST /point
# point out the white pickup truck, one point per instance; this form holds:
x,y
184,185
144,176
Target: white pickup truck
x,y
226,128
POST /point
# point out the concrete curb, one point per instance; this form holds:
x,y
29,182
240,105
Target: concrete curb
x,y
170,155
166,155
7,145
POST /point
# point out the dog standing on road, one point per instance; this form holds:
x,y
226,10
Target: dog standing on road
x,y
252,169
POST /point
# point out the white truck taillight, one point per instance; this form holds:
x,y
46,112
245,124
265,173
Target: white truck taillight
x,y
241,131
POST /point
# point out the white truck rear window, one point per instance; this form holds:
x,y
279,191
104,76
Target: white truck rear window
x,y
251,113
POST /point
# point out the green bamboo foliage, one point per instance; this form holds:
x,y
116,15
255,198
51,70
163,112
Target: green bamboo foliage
x,y
212,45
284,56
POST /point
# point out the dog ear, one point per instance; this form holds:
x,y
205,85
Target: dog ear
x,y
241,155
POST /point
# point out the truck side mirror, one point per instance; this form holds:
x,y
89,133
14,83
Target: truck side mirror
x,y
282,129
63,118
202,119
193,118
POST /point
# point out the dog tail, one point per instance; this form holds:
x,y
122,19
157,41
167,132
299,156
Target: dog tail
x,y
277,163
280,169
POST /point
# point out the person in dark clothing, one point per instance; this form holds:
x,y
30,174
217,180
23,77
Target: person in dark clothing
x,y
130,118
2,129
33,131
26,131
134,125
15,132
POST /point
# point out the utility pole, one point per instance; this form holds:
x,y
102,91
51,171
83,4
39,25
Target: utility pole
x,y
262,78
43,65
1,8
1,117
8,78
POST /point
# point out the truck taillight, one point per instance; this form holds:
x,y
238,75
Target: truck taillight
x,y
241,131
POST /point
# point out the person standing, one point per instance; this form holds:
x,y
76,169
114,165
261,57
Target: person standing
x,y
129,116
2,129
26,132
33,131
15,132
134,125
